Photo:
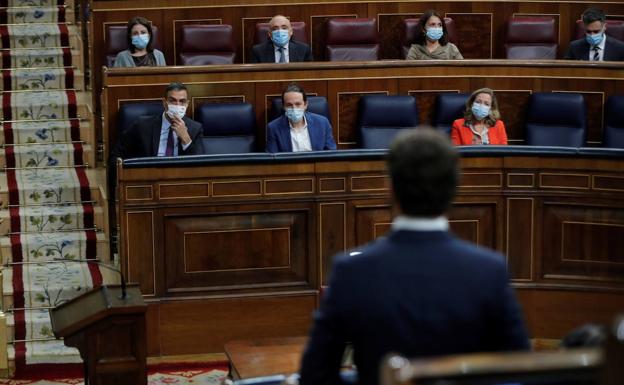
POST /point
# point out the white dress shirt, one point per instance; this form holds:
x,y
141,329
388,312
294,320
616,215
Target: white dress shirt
x,y
277,53
164,133
601,48
404,222
300,137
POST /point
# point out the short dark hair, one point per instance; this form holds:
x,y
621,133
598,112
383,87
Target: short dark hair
x,y
593,14
422,23
294,87
144,22
423,167
175,86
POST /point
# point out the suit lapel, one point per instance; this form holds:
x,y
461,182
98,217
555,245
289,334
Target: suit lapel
x,y
156,135
270,52
285,133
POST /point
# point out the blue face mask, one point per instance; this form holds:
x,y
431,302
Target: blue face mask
x,y
280,37
594,39
295,114
480,111
434,33
140,41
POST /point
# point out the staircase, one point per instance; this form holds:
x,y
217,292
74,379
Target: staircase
x,y
53,209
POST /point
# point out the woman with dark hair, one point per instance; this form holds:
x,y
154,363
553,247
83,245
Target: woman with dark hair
x,y
140,52
481,123
432,40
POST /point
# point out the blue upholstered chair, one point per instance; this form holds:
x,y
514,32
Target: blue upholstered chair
x,y
316,104
448,107
556,119
382,116
614,122
129,113
228,128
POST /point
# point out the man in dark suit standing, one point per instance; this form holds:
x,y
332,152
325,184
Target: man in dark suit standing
x,y
596,46
168,134
297,129
280,48
419,291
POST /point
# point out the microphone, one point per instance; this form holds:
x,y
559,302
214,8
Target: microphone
x,y
87,261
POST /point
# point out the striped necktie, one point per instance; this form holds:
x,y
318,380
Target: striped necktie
x,y
596,56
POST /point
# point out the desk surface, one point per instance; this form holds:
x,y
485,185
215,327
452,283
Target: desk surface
x,y
264,357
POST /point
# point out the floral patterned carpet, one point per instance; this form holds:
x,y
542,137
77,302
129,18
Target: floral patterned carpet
x,y
177,377
52,216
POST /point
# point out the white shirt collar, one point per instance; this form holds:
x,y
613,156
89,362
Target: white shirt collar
x,y
404,222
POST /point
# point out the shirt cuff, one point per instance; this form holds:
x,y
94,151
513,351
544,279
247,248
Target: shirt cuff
x,y
185,146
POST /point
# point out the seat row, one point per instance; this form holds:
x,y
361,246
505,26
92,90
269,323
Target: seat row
x,y
527,38
553,119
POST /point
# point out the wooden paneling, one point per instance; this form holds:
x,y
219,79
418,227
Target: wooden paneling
x,y
246,250
208,324
247,256
343,84
583,242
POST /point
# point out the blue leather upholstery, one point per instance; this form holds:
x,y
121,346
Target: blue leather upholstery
x,y
228,128
556,119
448,107
614,122
316,104
382,116
129,113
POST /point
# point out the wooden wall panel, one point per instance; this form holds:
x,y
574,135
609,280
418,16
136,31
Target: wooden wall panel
x,y
391,31
371,221
246,250
474,32
583,242
332,235
513,108
209,324
140,266
476,222
519,237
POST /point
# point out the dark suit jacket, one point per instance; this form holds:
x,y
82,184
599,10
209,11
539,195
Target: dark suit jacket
x,y
579,50
142,139
319,129
265,52
418,293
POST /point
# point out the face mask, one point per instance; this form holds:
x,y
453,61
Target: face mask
x,y
480,111
434,33
280,37
594,39
176,110
140,41
295,114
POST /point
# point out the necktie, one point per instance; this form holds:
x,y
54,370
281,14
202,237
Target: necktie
x,y
282,58
596,54
169,150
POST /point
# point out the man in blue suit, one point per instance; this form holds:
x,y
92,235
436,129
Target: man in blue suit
x,y
596,45
419,291
298,130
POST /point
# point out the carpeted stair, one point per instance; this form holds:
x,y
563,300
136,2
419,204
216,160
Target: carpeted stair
x,y
52,200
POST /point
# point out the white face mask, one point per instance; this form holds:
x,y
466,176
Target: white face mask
x,y
176,110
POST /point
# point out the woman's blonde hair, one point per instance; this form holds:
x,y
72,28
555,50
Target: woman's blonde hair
x,y
494,114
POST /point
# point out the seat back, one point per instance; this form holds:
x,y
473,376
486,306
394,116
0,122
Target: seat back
x,y
556,119
614,122
228,128
531,38
381,117
115,40
316,104
448,107
411,31
130,112
206,44
299,32
351,40
615,29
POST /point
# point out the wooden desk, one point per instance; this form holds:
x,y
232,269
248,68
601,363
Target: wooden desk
x,y
265,357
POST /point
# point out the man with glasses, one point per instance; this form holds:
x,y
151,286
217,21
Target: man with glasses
x,y
596,45
168,134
